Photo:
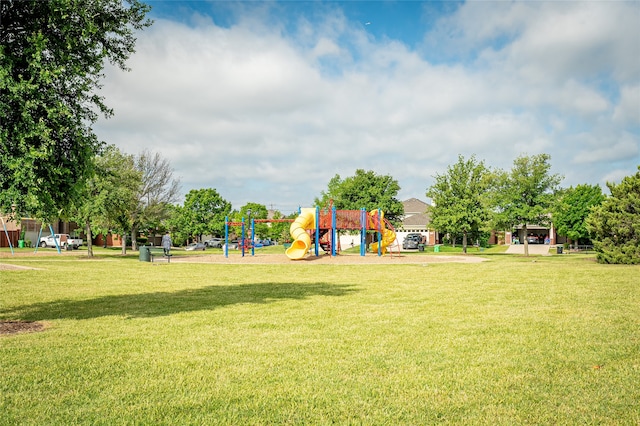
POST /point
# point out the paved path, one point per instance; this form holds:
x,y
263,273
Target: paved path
x,y
533,249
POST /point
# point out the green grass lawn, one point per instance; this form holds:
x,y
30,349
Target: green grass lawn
x,y
514,340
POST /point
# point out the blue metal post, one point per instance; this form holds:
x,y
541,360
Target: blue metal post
x,y
363,231
333,231
38,240
4,225
243,237
56,241
226,236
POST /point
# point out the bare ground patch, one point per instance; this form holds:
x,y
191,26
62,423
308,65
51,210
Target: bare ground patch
x,y
8,267
8,327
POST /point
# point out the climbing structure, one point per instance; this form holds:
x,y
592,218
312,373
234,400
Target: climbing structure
x,y
318,228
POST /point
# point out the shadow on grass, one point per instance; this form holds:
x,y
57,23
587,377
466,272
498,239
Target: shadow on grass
x,y
167,303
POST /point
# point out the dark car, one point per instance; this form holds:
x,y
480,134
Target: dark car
x,y
412,241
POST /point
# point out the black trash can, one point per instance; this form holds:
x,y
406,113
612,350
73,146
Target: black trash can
x,y
559,249
145,254
420,247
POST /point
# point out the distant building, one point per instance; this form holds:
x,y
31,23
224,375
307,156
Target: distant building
x,y
30,229
416,219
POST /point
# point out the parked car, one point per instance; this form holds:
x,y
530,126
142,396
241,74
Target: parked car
x,y
533,239
214,242
195,246
62,240
233,244
411,241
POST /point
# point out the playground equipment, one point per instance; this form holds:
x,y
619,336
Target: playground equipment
x,y
315,228
323,227
388,236
245,242
301,238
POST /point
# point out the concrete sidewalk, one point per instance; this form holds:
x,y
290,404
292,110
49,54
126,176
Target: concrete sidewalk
x,y
533,249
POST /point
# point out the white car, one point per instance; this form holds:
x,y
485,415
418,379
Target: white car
x,y
214,242
195,246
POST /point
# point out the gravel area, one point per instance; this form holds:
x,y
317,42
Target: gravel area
x,y
343,259
260,258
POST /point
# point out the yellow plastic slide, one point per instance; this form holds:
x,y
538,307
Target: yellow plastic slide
x,y
298,230
388,236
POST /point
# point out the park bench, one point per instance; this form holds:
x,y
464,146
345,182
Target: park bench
x,y
158,254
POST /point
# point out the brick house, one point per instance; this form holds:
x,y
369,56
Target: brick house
x,y
416,220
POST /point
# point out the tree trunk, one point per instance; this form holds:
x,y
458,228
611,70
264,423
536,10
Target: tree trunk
x,y
89,242
134,242
124,243
526,241
464,242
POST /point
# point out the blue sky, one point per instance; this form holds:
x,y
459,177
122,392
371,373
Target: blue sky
x,y
267,101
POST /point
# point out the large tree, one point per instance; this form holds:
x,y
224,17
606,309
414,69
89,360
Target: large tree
x,y
615,224
109,196
573,207
52,56
203,213
367,190
255,211
525,195
459,199
157,191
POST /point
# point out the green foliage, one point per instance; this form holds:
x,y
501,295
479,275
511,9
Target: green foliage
x,y
615,224
459,198
255,211
157,191
247,212
52,54
365,189
526,194
203,213
573,207
279,231
109,195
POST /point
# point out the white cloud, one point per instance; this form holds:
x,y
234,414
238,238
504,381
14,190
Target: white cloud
x,y
628,109
610,148
267,116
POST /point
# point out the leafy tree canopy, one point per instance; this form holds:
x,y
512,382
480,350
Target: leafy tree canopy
x,y
52,54
109,195
573,207
459,200
525,195
252,211
615,224
365,189
203,213
157,191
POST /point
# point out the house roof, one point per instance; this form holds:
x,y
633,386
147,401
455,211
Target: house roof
x,y
415,213
416,220
414,206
